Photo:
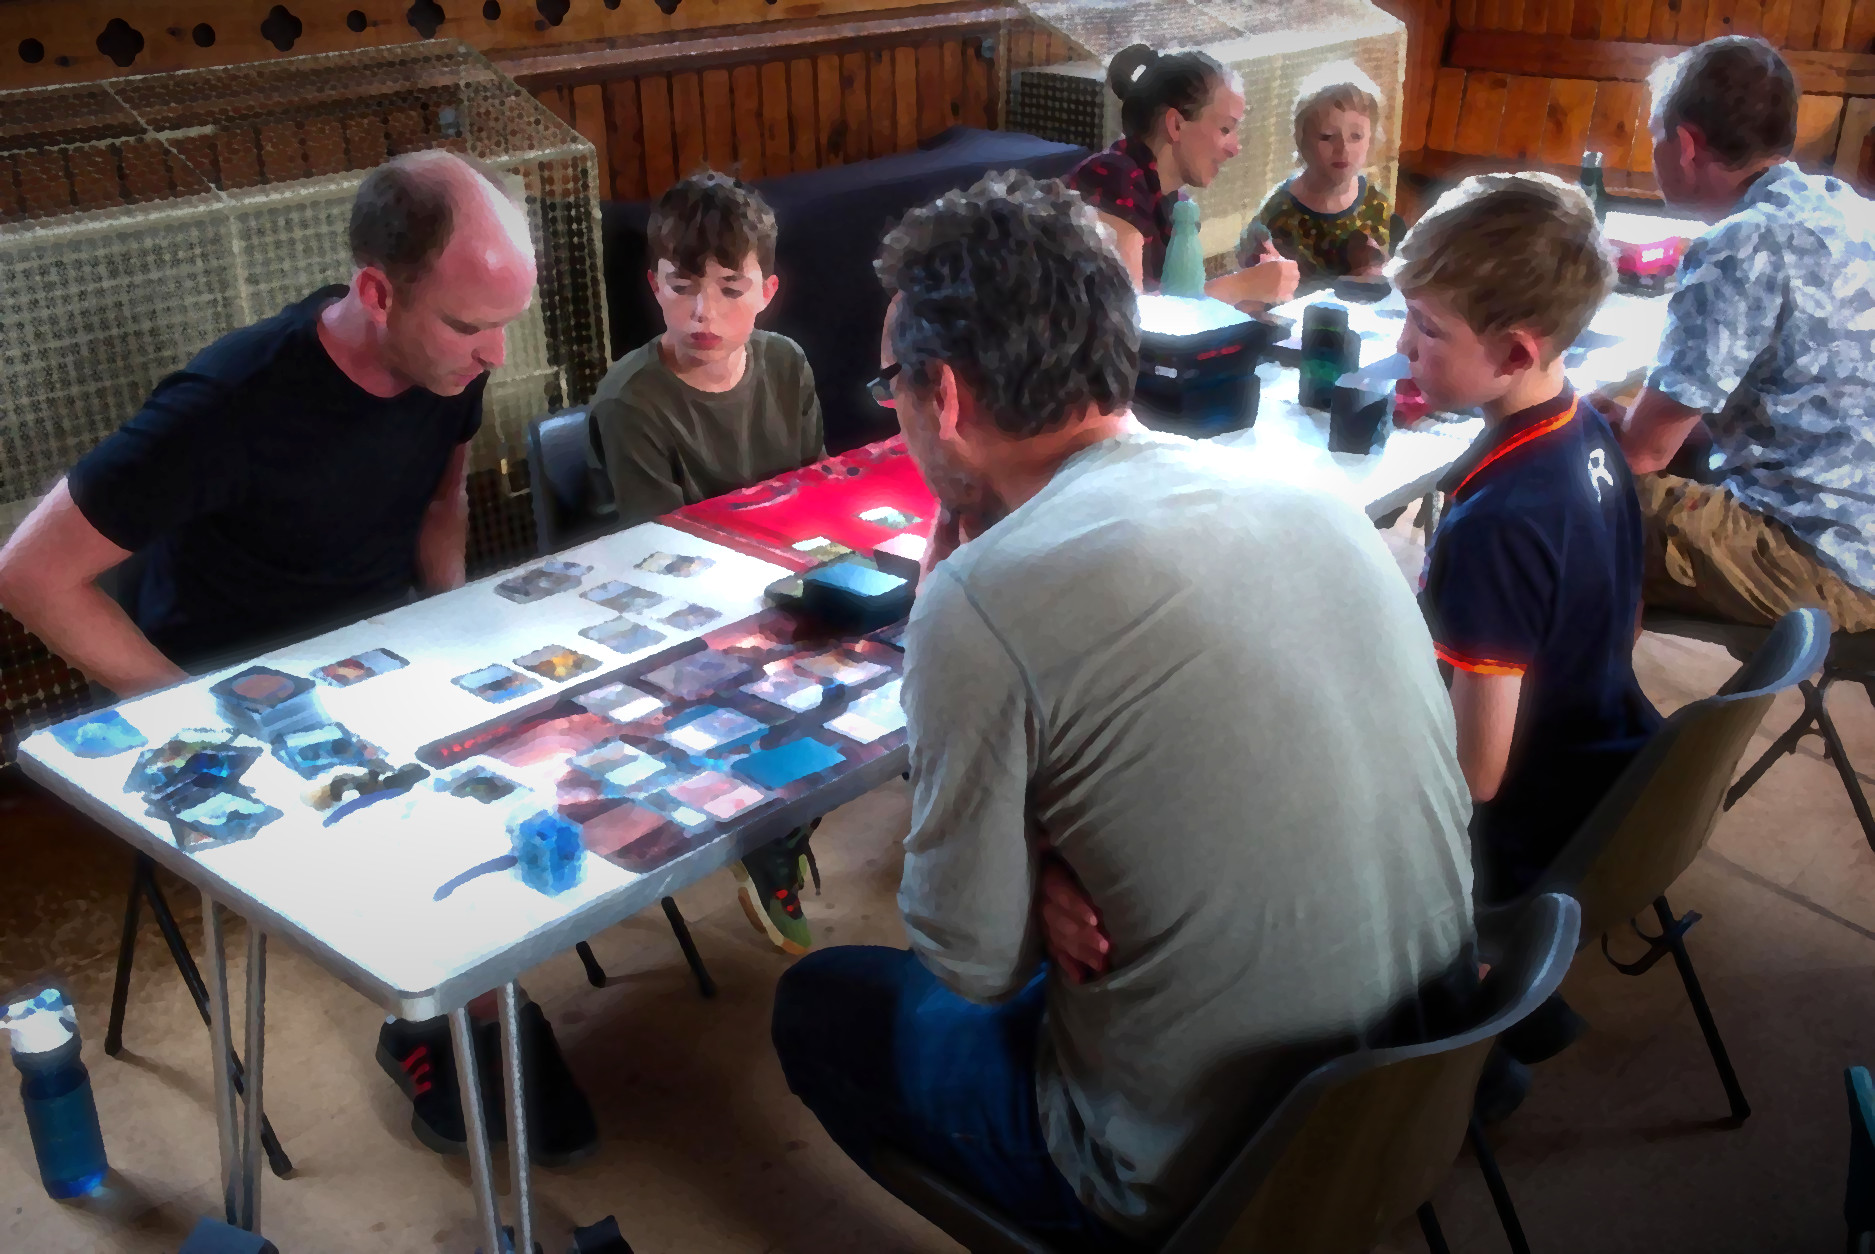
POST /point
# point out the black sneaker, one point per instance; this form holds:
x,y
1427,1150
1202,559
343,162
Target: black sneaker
x,y
1546,1032
421,1058
561,1129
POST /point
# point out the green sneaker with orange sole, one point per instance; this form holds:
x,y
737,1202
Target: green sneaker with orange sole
x,y
769,883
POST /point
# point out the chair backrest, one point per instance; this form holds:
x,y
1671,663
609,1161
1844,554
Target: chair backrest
x,y
567,508
1363,1141
1662,809
1858,1204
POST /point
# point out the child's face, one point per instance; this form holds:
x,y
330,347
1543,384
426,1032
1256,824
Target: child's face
x,y
711,317
1335,145
1454,367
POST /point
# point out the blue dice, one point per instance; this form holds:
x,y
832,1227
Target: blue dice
x,y
549,856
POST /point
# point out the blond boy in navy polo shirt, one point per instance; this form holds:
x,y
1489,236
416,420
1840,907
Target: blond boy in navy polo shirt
x,y
1533,579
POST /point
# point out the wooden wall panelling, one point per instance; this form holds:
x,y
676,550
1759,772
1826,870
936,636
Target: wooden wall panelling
x,y
1639,17
1777,21
1832,25
1858,122
1566,121
1448,96
1526,103
1482,114
719,119
660,141
1585,20
853,110
1465,14
933,115
827,110
1827,73
1692,22
1804,16
1561,16
625,126
1614,18
905,75
1664,25
1490,15
589,119
687,128
1510,13
804,115
1819,123
883,103
952,54
1719,18
1861,36
1748,17
777,142
11,205
746,90
1611,123
979,101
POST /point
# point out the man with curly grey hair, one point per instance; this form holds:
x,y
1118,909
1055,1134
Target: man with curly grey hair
x,y
1110,684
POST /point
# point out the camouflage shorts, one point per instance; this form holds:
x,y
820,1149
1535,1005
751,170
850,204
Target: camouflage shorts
x,y
1709,555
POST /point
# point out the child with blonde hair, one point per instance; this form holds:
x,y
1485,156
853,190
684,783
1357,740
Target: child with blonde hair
x,y
1329,218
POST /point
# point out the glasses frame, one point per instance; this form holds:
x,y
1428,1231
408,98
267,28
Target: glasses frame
x,y
881,388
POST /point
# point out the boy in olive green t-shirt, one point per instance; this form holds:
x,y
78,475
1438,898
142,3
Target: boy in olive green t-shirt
x,y
710,406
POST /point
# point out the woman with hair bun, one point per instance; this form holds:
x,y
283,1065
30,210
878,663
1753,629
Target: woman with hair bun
x,y
1179,117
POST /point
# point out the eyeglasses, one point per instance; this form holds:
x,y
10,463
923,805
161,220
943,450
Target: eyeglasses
x,y
881,388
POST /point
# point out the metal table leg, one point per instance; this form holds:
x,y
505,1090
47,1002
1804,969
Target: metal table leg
x,y
256,1031
518,1152
224,1076
481,1174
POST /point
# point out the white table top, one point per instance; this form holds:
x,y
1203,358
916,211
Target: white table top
x,y
359,895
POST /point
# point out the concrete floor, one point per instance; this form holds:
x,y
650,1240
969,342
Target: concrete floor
x,y
1617,1149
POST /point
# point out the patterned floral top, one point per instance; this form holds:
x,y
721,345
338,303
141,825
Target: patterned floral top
x,y
1318,242
1123,182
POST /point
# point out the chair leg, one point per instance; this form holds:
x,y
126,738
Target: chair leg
x,y
277,1160
1429,1225
1500,1196
1741,1109
705,985
126,955
1832,742
1785,744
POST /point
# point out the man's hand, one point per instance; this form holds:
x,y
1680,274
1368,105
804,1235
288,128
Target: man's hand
x,y
1071,927
1273,281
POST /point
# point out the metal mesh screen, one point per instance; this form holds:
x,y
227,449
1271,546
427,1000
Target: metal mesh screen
x,y
1068,104
142,218
1273,46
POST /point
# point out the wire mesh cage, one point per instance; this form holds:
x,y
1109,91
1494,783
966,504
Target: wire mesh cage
x,y
142,218
1274,47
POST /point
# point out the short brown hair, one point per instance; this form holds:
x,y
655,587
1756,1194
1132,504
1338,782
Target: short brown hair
x,y
1511,250
1337,86
1736,91
405,209
712,217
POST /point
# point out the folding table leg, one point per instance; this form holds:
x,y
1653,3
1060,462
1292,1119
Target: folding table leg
x,y
481,1172
518,1148
218,1031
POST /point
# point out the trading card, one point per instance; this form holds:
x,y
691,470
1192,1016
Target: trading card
x,y
676,566
218,815
892,637
496,683
872,717
365,666
566,568
622,635
99,735
623,598
556,663
821,549
621,702
716,794
198,756
698,675
533,585
787,687
713,726
688,818
618,827
886,516
312,753
477,783
775,769
691,617
618,764
841,667
550,742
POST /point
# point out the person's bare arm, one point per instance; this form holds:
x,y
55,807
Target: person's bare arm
x,y
48,581
442,545
1131,246
1652,432
1485,707
1266,283
1071,928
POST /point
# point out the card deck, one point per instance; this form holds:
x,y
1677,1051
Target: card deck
x,y
821,549
556,663
496,683
787,687
312,753
623,598
872,717
841,667
574,569
533,585
886,516
366,665
698,675
775,769
99,735
198,755
677,566
477,783
691,617
620,701
622,635
266,703
713,727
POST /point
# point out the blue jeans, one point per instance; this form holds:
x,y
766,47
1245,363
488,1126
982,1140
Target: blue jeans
x,y
884,1054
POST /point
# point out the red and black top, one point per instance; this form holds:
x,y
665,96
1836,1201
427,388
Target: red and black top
x,y
1123,182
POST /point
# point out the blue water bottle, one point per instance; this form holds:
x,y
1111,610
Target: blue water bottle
x,y
56,1088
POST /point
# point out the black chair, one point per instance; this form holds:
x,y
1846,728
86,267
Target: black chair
x,y
1356,1147
571,507
1851,657
1858,1204
121,584
1660,813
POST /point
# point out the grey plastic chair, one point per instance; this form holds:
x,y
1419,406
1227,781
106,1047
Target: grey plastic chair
x,y
1851,658
1355,1148
1662,810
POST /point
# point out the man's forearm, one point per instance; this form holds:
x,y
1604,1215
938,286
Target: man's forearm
x,y
1654,430
442,547
92,634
